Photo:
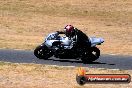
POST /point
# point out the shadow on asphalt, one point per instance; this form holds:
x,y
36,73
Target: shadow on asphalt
x,y
77,61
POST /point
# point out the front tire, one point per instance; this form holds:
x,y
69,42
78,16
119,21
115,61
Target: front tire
x,y
42,52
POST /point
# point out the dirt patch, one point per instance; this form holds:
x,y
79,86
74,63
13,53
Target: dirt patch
x,y
44,76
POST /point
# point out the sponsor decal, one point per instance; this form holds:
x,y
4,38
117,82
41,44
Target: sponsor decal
x,y
83,78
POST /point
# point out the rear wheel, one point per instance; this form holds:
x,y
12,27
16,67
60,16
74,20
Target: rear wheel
x,y
95,52
42,52
91,56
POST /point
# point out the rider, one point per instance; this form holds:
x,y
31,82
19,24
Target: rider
x,y
76,35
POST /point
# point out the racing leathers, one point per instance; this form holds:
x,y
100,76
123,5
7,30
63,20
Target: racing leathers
x,y
79,38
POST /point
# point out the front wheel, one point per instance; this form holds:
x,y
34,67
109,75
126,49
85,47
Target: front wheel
x,y
42,52
91,56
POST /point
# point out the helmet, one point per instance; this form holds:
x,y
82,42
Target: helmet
x,y
69,30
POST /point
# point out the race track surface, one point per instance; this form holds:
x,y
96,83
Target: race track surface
x,y
105,61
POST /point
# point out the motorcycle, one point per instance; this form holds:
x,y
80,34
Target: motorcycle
x,y
62,47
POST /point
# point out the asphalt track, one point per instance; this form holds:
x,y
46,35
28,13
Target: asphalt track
x,y
105,61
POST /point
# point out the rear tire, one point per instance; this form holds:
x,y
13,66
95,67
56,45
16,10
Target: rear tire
x,y
95,52
42,52
91,56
